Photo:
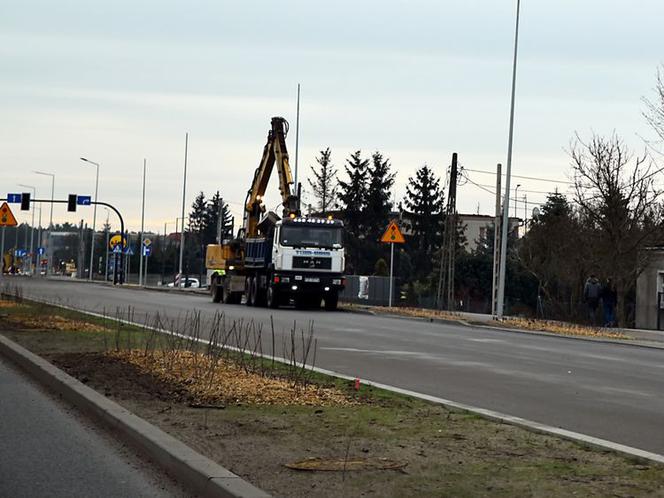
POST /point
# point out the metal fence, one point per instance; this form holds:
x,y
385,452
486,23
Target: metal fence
x,y
370,290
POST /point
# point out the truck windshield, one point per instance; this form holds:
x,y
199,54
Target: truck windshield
x,y
312,236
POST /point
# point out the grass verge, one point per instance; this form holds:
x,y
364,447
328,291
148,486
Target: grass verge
x,y
379,443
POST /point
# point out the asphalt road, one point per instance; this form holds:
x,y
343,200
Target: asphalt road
x,y
48,450
610,391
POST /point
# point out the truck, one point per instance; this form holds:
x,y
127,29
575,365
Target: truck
x,y
273,260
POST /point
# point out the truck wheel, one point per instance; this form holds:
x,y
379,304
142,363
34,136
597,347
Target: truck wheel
x,y
331,301
272,297
255,298
217,291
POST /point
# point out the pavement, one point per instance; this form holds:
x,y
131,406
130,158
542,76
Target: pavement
x,y
605,390
48,450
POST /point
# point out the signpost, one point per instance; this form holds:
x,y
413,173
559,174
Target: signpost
x,y
14,198
6,220
84,200
392,236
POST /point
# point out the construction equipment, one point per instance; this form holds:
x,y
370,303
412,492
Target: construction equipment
x,y
275,260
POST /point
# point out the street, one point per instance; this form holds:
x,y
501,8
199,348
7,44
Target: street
x,y
48,449
610,391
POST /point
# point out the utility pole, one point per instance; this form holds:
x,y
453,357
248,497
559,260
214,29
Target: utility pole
x,y
140,243
297,133
506,205
448,257
107,241
496,244
184,192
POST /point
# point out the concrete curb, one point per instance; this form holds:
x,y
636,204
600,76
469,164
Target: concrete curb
x,y
190,468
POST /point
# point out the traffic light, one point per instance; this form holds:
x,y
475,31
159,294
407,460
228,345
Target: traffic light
x,y
71,203
25,202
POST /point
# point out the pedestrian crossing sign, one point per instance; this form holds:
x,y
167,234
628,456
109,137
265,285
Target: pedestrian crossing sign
x,y
393,235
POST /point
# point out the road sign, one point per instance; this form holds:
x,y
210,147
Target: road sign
x,y
129,251
117,249
6,217
115,240
41,251
393,235
147,251
14,198
83,200
20,253
147,242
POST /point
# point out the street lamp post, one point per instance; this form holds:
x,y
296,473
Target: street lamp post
x,y
94,217
32,224
184,191
49,255
516,199
508,175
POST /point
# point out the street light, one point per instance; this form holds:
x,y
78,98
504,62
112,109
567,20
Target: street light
x,y
49,255
32,225
508,175
516,189
94,216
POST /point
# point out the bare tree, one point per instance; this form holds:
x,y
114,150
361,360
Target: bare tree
x,y
654,113
324,184
618,203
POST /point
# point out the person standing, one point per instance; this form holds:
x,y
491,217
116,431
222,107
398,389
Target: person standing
x,y
609,297
591,294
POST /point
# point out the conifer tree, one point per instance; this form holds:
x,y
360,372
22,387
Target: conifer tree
x,y
378,205
424,201
353,193
324,184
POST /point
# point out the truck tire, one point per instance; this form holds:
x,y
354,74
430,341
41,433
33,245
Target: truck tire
x,y
272,298
331,301
217,291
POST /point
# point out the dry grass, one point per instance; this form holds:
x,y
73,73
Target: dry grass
x,y
54,322
562,328
9,304
408,311
213,380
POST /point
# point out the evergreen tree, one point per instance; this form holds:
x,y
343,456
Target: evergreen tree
x,y
353,193
378,205
324,185
197,214
212,220
424,200
195,258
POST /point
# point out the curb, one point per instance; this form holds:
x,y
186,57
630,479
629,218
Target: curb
x,y
190,468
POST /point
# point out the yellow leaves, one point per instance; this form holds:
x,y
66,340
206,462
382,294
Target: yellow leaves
x,y
54,322
562,328
214,380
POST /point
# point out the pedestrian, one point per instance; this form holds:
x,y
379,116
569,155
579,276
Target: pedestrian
x,y
609,297
591,295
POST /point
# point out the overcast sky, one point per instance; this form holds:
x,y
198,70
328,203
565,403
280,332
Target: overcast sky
x,y
121,81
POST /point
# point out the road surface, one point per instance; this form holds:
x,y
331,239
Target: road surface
x,y
610,391
48,450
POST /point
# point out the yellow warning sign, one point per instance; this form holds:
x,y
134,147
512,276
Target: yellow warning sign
x,y
393,235
6,216
115,240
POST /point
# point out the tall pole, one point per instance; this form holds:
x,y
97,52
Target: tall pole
x,y
49,255
2,253
391,272
184,192
496,243
94,218
39,239
107,240
140,244
297,132
32,224
516,200
506,203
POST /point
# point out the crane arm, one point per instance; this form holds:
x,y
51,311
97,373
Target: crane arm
x,y
274,152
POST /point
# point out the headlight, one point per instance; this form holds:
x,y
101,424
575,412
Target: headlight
x,y
336,281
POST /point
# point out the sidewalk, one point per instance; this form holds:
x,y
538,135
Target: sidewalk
x,y
48,450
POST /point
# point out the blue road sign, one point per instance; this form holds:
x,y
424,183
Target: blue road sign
x,y
147,250
19,253
41,251
117,249
83,200
129,251
14,198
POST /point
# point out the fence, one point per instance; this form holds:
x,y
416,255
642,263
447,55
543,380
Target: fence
x,y
375,290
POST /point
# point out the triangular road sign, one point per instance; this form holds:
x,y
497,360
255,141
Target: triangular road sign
x,y
393,235
6,216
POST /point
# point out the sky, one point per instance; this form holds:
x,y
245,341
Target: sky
x,y
120,82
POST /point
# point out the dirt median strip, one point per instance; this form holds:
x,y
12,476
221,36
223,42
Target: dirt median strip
x,y
190,468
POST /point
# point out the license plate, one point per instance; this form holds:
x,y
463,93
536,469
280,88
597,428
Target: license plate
x,y
312,279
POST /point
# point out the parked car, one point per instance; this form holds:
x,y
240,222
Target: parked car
x,y
187,283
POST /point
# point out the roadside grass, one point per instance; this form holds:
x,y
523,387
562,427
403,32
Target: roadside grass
x,y
445,452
